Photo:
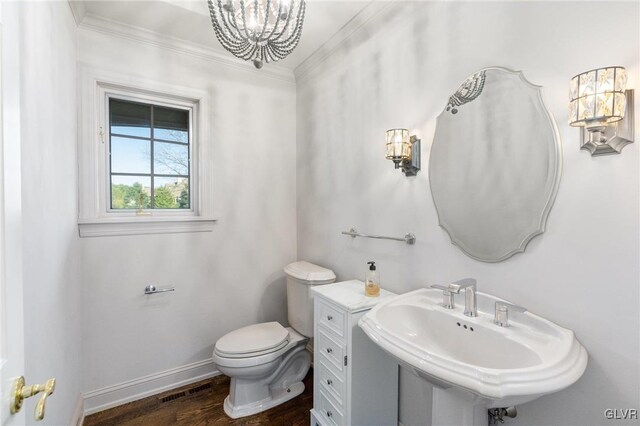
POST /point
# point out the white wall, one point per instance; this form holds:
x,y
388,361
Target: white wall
x,y
224,279
398,71
52,289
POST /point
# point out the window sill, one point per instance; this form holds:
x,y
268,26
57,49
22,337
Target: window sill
x,y
109,227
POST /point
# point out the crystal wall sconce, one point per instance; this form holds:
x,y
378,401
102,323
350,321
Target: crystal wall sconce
x,y
601,105
403,150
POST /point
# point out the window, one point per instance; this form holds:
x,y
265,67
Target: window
x,y
144,158
149,156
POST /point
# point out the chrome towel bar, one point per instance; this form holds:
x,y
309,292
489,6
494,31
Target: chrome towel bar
x,y
151,289
409,238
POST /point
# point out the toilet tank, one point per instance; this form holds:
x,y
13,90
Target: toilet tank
x,y
301,276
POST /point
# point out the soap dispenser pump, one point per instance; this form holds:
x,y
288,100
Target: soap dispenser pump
x,y
372,281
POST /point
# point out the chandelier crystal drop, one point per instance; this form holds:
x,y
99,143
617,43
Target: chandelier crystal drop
x,y
258,30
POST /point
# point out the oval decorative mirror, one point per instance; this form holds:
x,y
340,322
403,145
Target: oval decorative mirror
x,y
495,164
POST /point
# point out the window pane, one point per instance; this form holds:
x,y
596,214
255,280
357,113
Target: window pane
x,y
171,193
130,118
130,192
170,159
130,155
171,124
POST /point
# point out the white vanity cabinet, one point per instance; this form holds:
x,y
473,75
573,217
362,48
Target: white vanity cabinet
x,y
354,381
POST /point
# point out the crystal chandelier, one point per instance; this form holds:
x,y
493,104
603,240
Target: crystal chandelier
x,y
258,30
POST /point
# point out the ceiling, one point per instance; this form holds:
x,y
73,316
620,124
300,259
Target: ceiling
x,y
189,20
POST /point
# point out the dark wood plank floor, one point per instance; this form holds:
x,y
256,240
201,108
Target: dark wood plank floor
x,y
202,408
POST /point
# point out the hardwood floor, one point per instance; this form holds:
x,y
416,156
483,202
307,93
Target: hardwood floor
x,y
200,404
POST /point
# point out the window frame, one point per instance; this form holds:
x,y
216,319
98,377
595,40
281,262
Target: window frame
x,y
95,215
192,109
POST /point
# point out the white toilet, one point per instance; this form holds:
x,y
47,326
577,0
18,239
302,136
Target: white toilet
x,y
267,362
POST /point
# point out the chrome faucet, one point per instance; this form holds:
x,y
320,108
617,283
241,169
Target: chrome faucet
x,y
469,287
470,301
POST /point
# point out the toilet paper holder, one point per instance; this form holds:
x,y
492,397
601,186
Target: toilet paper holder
x,y
151,289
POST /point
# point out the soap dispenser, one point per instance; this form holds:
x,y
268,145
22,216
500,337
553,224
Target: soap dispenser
x,y
372,281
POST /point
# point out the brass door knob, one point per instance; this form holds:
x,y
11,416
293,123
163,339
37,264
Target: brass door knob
x,y
20,392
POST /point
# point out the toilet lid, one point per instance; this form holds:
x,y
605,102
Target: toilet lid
x,y
312,274
253,338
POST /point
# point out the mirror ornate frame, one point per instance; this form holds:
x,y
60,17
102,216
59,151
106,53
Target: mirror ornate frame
x,y
495,164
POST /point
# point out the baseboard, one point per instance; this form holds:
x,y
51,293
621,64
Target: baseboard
x,y
78,413
132,390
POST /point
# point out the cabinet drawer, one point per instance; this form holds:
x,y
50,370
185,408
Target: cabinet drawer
x,y
317,419
330,349
331,383
331,318
330,412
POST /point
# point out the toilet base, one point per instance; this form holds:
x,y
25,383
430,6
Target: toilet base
x,y
278,396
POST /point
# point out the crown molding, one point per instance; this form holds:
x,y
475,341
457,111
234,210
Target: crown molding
x,y
78,10
366,18
90,22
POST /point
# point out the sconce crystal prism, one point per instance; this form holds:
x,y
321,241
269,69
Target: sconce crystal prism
x,y
598,102
403,150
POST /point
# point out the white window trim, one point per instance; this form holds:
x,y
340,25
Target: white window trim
x,y
95,217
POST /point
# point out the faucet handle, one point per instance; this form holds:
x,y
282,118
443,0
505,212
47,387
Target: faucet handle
x,y
440,287
507,305
501,316
447,296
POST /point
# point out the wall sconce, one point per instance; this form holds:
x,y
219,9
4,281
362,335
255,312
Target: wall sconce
x,y
403,150
599,102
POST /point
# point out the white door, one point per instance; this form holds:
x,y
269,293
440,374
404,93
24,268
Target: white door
x,y
11,306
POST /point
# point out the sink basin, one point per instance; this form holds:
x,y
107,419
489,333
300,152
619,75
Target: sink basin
x,y
435,331
478,364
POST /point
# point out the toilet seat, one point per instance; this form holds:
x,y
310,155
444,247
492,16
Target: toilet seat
x,y
255,359
253,340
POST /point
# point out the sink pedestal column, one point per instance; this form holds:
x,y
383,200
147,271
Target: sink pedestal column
x,y
451,407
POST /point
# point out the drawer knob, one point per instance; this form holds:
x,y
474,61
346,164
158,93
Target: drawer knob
x,y
329,382
329,317
329,414
329,350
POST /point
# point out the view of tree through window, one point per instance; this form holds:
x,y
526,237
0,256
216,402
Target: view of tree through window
x,y
149,156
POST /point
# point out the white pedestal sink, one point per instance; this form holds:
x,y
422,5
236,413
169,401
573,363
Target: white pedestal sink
x,y
473,363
